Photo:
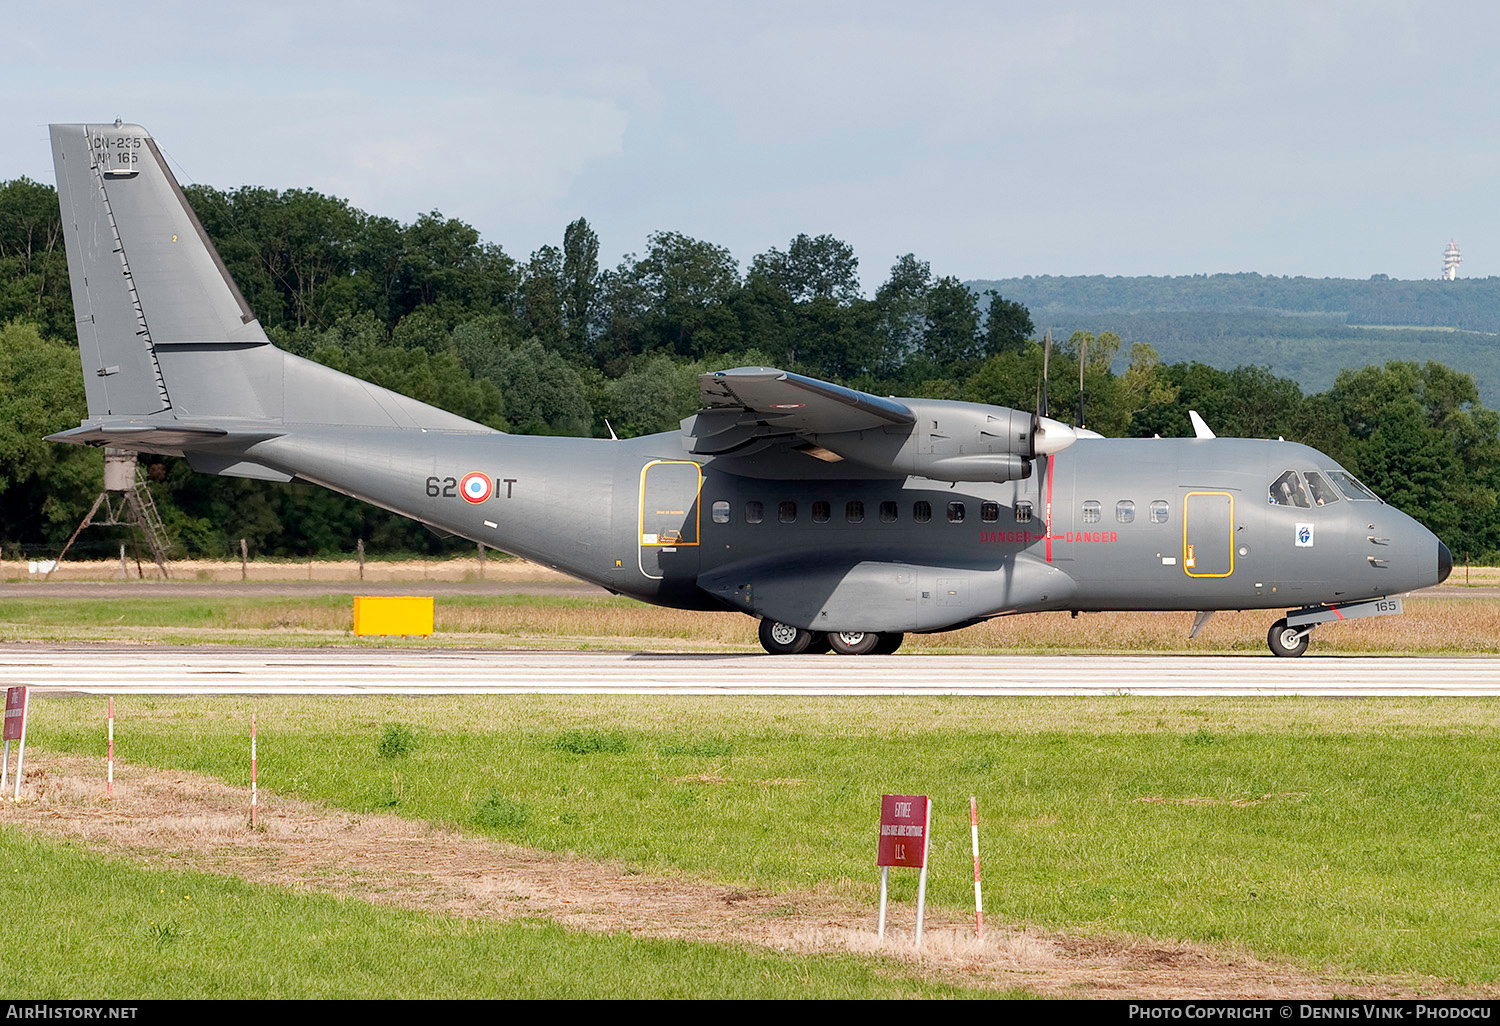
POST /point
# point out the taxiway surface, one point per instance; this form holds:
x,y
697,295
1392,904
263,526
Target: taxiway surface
x,y
122,670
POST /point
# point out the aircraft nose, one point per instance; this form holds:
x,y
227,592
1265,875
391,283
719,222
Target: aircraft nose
x,y
1445,562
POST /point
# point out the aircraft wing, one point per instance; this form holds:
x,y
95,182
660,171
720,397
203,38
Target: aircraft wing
x,y
747,403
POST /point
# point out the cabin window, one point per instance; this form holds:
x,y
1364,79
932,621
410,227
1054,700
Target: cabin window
x,y
822,511
854,511
1351,488
1023,512
921,511
1092,512
888,512
787,512
721,512
1161,511
1287,490
755,511
1125,511
1321,491
955,512
989,512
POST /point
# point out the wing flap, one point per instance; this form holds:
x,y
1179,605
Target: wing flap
x,y
757,402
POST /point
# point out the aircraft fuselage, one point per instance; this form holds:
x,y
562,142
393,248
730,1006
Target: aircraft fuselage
x,y
1108,524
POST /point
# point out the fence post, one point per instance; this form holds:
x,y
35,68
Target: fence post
x,y
244,561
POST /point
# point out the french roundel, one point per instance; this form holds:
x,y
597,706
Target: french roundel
x,y
476,487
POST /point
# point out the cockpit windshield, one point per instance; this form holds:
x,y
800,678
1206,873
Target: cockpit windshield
x,y
1321,491
1287,490
1352,488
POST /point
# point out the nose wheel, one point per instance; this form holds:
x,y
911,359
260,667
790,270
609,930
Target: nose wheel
x,y
1288,641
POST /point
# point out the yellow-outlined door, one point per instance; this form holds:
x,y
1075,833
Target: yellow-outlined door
x,y
669,517
1208,534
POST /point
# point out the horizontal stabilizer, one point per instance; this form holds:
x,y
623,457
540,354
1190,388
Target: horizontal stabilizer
x,y
168,436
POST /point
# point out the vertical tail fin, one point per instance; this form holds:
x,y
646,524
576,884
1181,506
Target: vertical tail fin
x,y
144,274
163,331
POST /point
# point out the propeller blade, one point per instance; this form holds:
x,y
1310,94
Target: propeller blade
x,y
1041,406
1083,360
1047,435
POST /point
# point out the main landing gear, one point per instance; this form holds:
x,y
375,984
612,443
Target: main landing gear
x,y
784,639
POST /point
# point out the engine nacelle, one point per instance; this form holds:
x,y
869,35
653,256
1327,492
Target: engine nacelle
x,y
952,441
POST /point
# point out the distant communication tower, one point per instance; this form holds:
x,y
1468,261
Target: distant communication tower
x,y
1451,260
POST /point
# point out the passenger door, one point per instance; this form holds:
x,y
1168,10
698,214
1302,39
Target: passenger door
x,y
669,518
1208,534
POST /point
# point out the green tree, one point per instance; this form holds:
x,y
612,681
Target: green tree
x,y
45,488
950,337
902,305
580,279
542,297
33,266
811,268
691,287
1423,442
1007,325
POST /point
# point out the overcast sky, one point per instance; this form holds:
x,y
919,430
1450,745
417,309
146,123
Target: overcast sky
x,y
993,139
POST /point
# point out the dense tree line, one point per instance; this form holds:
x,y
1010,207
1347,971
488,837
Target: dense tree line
x,y
556,343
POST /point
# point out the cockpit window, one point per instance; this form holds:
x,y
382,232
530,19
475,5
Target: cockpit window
x,y
1287,490
1321,491
1351,488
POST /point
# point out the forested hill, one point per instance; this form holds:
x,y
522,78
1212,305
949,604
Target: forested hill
x,y
1465,304
1307,329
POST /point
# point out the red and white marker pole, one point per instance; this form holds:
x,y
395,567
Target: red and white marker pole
x,y
109,780
974,834
252,771
21,753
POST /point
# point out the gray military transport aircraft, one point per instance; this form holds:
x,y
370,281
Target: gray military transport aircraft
x,y
839,519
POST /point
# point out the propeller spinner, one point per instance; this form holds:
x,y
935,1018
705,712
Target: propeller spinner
x,y
1048,435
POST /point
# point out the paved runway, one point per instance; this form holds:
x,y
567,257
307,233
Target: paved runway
x,y
121,670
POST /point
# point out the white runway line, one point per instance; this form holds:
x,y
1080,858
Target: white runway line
x,y
135,670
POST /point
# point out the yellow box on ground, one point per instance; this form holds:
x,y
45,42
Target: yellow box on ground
x,y
393,614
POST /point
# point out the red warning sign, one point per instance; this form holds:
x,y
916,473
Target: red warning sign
x,y
904,819
15,712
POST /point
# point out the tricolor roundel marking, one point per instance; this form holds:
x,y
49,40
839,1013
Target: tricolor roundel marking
x,y
476,487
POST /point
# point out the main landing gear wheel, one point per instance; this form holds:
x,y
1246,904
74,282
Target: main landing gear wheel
x,y
1286,641
784,639
853,642
888,644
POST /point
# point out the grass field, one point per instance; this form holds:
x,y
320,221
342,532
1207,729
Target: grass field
x,y
119,931
1464,625
1356,834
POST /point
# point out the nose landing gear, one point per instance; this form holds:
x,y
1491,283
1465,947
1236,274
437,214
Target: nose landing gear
x,y
1288,641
